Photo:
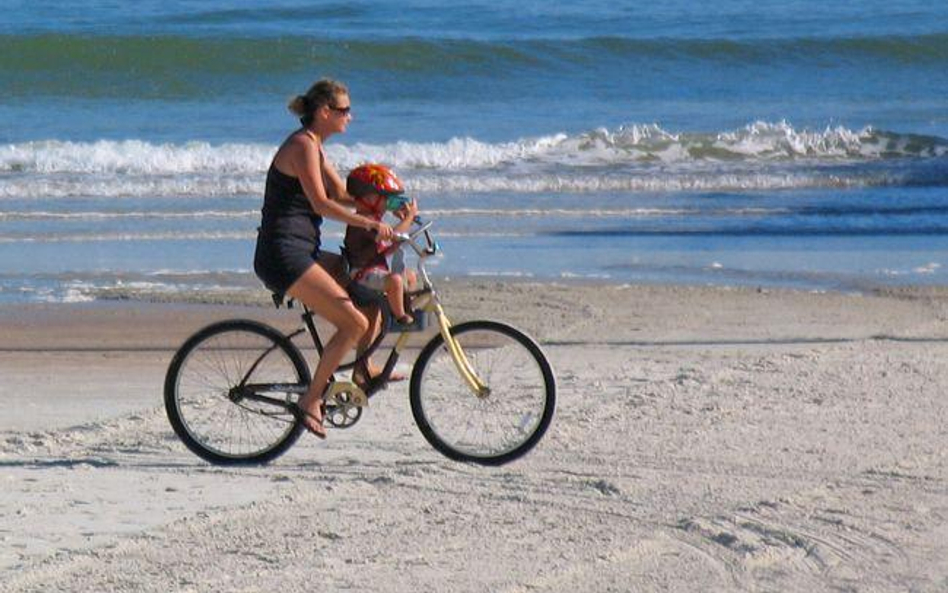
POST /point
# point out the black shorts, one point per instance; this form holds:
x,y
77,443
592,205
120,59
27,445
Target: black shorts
x,y
280,261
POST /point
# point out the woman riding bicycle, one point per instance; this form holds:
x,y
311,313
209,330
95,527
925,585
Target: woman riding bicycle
x,y
303,187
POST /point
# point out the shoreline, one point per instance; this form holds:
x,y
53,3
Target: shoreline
x,y
580,311
243,288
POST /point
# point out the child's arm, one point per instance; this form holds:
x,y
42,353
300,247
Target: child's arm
x,y
407,213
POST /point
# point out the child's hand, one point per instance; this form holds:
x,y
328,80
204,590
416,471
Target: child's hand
x,y
408,211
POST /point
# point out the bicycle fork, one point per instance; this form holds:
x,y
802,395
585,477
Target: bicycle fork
x,y
478,387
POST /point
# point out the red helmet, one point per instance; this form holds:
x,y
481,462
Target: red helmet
x,y
373,178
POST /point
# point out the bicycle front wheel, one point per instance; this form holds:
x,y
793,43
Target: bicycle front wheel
x,y
490,429
228,390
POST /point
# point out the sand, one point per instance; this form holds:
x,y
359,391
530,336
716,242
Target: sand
x,y
712,439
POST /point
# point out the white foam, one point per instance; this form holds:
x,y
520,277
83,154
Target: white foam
x,y
758,156
131,236
780,140
929,268
590,276
134,157
925,270
157,215
566,182
75,295
500,274
564,212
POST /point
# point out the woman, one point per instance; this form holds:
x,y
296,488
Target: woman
x,y
302,188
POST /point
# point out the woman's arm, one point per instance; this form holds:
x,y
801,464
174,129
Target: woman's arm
x,y
338,190
304,158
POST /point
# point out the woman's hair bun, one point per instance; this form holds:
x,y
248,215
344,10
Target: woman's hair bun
x,y
297,105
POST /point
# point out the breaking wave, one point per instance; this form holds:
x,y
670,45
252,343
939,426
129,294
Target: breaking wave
x,y
759,156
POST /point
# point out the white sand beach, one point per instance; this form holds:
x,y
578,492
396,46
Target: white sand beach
x,y
705,439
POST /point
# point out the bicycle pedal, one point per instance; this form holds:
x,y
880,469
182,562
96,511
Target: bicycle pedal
x,y
345,393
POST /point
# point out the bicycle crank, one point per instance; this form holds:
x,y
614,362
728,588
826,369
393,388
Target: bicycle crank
x,y
344,403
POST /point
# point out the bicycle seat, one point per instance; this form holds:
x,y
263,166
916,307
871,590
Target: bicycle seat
x,y
360,295
278,300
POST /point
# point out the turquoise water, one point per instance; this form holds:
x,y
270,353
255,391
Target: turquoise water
x,y
762,143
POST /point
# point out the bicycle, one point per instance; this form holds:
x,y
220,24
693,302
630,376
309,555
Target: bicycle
x,y
480,391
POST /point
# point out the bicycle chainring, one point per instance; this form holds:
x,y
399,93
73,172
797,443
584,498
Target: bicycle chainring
x,y
344,403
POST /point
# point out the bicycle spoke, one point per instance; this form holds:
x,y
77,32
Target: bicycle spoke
x,y
216,421
493,428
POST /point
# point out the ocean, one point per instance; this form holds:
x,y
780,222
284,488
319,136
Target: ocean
x,y
790,144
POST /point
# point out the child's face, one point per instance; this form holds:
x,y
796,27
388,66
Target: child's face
x,y
370,203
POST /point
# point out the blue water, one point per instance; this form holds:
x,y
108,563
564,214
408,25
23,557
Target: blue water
x,y
759,143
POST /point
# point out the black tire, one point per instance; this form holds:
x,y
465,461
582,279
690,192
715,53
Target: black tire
x,y
198,387
518,410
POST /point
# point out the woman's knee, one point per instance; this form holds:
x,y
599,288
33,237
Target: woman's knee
x,y
354,325
373,316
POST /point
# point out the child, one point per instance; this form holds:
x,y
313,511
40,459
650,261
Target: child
x,y
376,190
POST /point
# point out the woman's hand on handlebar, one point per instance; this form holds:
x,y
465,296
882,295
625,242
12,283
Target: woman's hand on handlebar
x,y
383,230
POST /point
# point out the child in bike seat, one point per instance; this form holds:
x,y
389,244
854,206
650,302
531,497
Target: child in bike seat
x,y
378,190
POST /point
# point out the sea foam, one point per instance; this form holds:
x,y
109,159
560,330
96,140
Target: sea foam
x,y
758,156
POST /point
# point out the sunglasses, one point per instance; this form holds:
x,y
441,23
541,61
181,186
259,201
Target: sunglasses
x,y
394,202
341,110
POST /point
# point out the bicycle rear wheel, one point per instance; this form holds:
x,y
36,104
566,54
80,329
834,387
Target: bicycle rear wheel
x,y
494,429
228,390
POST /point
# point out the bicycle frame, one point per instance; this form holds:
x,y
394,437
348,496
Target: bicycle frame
x,y
426,299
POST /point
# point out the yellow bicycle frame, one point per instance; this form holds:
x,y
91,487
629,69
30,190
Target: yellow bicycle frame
x,y
463,365
457,354
358,398
431,305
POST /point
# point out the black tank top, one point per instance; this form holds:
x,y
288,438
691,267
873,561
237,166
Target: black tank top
x,y
287,213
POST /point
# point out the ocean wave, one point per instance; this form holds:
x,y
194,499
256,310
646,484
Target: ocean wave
x,y
823,230
440,213
562,182
177,61
134,157
203,235
425,184
120,236
12,215
759,156
902,49
254,215
237,286
649,143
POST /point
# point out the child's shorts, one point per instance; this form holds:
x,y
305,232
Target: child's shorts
x,y
374,279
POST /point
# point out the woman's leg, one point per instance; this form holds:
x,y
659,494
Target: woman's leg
x,y
374,317
318,291
366,369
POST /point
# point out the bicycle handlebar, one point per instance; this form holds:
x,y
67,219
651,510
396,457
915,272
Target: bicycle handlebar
x,y
431,246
